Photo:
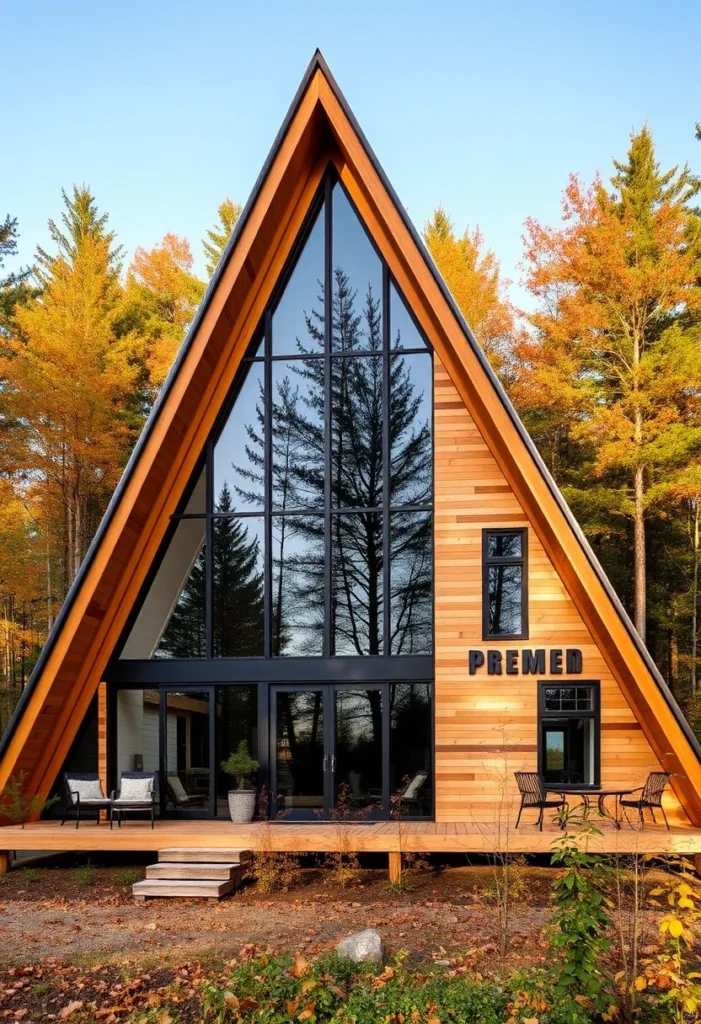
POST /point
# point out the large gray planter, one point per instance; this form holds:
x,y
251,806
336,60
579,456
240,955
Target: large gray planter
x,y
242,804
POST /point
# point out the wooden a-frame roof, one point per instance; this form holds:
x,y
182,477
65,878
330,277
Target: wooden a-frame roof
x,y
319,130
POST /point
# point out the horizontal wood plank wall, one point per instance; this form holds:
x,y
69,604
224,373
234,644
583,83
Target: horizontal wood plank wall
x,y
486,726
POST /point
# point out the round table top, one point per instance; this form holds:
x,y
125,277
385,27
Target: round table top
x,y
574,791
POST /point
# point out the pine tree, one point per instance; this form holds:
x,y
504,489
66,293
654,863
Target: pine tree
x,y
14,288
613,284
238,585
81,221
217,237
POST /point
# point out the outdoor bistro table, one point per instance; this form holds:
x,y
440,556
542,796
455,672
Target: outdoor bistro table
x,y
601,795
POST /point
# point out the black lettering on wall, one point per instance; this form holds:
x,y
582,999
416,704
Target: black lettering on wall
x,y
556,662
512,663
533,663
494,663
574,661
476,659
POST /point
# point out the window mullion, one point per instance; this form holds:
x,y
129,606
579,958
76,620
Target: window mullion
x,y
328,313
268,490
209,550
386,483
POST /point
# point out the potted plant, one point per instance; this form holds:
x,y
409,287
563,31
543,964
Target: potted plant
x,y
242,800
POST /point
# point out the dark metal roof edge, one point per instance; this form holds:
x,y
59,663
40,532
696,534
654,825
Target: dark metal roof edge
x,y
64,611
513,415
318,61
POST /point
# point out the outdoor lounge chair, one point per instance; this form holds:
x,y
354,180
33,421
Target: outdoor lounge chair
x,y
137,791
178,795
534,794
411,797
650,796
84,793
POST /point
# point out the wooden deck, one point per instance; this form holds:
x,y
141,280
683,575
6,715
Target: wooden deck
x,y
318,837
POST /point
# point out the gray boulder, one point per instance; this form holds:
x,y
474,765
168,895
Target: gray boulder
x,y
363,947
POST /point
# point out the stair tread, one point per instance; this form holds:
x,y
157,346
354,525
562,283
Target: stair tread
x,y
196,870
211,855
183,887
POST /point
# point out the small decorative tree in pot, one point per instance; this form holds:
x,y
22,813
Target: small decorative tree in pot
x,y
242,800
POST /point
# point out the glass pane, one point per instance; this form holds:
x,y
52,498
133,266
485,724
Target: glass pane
x,y
403,332
299,750
137,731
357,610
187,751
238,546
238,453
357,282
411,570
585,700
410,754
554,754
411,453
504,545
356,432
236,722
298,585
171,620
298,320
504,599
358,749
298,434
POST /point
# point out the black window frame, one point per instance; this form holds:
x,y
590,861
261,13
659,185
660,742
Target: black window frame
x,y
489,561
260,350
545,715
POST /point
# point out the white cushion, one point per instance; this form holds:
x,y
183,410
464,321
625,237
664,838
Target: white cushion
x,y
415,785
178,789
87,790
136,790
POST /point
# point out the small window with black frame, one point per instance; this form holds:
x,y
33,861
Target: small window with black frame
x,y
505,584
569,727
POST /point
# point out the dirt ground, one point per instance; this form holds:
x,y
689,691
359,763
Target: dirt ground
x,y
68,936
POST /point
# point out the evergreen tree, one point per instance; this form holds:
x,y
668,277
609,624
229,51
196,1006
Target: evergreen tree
x,y
238,585
217,237
185,636
14,288
81,221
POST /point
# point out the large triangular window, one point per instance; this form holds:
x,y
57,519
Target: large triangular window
x,y
308,529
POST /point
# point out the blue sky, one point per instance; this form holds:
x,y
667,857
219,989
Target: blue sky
x,y
165,108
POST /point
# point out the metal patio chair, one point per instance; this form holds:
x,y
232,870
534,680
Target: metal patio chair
x,y
650,797
137,791
533,794
84,793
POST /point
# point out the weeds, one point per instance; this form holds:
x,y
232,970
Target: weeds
x,y
29,876
127,876
85,875
274,870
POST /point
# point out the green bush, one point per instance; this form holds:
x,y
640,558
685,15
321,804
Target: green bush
x,y
127,876
276,990
85,875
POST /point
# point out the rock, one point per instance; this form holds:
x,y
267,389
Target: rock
x,y
363,947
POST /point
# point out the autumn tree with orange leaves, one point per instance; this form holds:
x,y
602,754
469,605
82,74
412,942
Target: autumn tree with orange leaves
x,y
472,274
615,365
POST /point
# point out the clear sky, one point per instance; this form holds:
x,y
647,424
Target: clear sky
x,y
164,108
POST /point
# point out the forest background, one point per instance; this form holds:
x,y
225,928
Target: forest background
x,y
604,368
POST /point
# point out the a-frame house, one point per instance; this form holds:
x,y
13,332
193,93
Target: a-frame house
x,y
336,542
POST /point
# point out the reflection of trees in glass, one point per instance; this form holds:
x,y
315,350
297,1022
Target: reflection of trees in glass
x,y
358,479
238,586
185,636
238,596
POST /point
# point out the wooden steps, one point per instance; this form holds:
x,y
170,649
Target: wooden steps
x,y
211,855
186,872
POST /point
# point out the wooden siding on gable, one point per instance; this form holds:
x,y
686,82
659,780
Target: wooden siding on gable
x,y
487,726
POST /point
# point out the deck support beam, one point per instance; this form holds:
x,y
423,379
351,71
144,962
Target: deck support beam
x,y
395,867
4,861
697,863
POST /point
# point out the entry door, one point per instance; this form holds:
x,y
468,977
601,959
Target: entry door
x,y
329,752
187,748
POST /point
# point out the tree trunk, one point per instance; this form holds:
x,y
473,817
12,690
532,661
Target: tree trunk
x,y
639,551
695,598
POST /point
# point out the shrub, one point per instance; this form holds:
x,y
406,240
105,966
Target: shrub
x,y
85,875
127,876
18,805
241,766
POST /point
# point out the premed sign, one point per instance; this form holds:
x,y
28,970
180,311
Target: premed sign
x,y
537,662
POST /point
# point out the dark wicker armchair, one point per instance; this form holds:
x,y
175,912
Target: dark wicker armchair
x,y
650,797
533,794
83,792
138,792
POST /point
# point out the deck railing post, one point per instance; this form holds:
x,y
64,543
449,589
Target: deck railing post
x,y
395,867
